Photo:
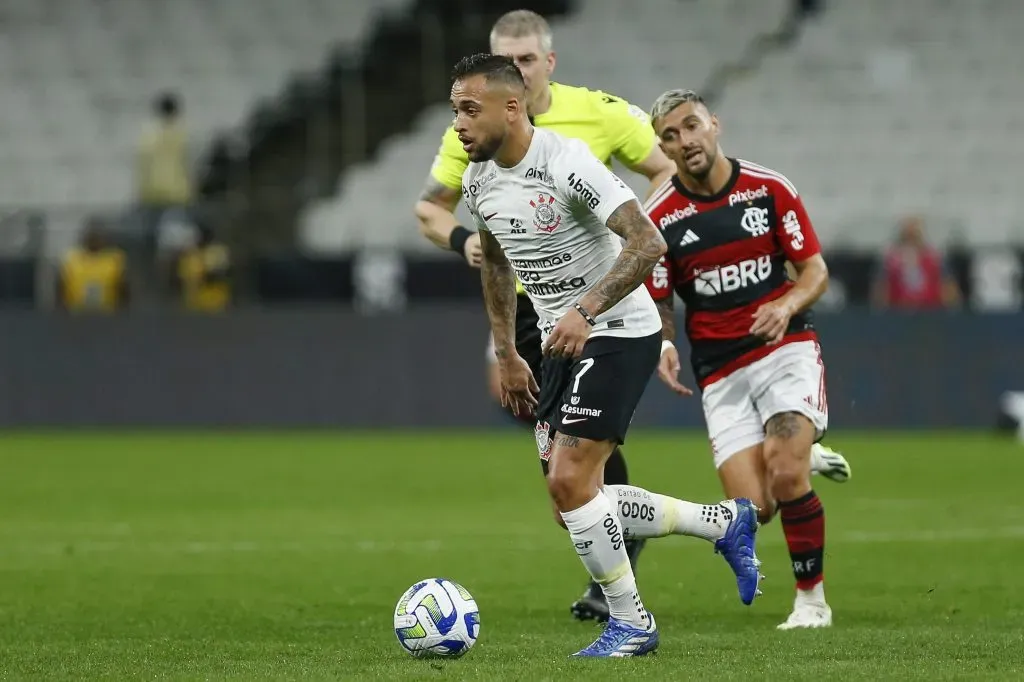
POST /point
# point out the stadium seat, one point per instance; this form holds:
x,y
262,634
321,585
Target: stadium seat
x,y
634,50
78,77
876,114
873,113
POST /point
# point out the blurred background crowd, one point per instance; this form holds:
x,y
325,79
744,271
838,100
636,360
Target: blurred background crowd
x,y
204,154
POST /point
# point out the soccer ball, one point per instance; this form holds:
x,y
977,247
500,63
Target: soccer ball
x,y
437,617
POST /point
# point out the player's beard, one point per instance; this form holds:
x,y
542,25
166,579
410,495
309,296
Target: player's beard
x,y
486,148
701,172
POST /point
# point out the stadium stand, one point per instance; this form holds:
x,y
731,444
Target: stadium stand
x,y
78,77
874,113
296,151
664,43
870,93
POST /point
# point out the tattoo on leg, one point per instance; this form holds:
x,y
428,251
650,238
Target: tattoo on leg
x,y
567,441
784,425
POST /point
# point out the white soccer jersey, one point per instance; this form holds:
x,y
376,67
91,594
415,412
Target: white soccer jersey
x,y
548,213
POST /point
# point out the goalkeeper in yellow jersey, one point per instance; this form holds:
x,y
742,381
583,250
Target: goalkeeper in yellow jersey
x,y
611,128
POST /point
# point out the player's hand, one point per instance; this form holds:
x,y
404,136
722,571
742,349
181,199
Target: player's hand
x,y
473,252
567,338
771,320
668,370
519,388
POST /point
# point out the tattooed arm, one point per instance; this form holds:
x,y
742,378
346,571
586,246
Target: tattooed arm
x,y
499,286
666,308
519,388
644,247
435,211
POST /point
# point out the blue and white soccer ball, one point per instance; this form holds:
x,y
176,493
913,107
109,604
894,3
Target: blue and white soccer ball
x,y
437,617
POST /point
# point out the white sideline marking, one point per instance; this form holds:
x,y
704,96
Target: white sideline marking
x,y
526,545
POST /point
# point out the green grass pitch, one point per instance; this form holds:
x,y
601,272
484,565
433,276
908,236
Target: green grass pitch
x,y
281,556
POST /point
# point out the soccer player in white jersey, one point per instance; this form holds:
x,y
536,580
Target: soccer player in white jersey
x,y
550,213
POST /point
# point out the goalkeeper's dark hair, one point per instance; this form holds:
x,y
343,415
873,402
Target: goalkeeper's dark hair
x,y
495,68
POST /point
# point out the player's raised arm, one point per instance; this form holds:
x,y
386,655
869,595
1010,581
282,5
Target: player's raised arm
x,y
643,249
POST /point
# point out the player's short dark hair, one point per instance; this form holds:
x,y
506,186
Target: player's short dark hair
x,y
493,67
670,99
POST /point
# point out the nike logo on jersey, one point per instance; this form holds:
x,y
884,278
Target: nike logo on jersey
x,y
566,420
689,238
488,217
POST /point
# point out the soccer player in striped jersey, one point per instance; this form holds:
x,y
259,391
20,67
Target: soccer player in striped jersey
x,y
731,227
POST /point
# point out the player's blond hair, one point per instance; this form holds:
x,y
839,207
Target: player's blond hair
x,y
670,99
522,23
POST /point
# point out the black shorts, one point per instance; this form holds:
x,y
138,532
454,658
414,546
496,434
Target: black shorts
x,y
528,334
595,395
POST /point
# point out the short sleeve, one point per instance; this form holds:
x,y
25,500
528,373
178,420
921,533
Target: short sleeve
x,y
481,225
470,201
587,184
794,229
450,162
628,127
659,282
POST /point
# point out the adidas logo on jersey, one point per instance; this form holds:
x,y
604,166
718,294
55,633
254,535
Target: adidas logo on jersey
x,y
689,238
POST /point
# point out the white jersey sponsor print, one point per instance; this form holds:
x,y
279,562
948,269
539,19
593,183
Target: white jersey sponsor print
x,y
548,213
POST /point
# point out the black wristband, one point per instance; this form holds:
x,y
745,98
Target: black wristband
x,y
458,238
586,316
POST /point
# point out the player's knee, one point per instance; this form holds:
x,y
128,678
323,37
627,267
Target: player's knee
x,y
571,479
787,475
565,485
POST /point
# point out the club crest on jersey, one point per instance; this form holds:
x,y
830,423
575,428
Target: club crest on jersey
x,y
755,220
544,217
543,434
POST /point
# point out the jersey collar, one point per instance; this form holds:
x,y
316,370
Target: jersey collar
x,y
553,89
721,194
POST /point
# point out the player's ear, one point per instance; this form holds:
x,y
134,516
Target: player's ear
x,y
716,125
550,63
513,108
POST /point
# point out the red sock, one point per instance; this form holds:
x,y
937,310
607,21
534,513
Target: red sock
x,y
803,522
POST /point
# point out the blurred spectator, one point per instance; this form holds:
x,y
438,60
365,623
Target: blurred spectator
x,y
93,277
203,274
913,274
163,179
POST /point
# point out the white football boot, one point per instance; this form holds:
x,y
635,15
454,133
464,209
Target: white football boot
x,y
809,610
830,464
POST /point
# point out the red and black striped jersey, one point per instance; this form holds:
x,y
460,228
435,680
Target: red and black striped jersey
x,y
726,257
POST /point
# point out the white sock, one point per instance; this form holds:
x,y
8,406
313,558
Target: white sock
x,y
597,535
815,595
644,514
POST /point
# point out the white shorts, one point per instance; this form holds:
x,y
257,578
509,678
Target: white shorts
x,y
737,407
